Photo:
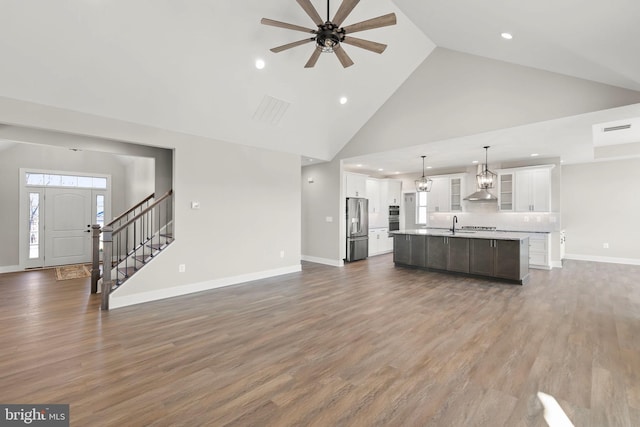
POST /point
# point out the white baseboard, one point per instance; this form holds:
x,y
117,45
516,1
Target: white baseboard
x,y
556,264
10,269
612,260
127,300
326,261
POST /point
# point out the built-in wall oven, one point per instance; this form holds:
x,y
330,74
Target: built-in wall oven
x,y
394,218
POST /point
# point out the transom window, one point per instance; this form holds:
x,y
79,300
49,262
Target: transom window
x,y
55,180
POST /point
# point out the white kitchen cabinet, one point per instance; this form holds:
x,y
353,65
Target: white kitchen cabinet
x,y
505,191
533,190
526,189
373,194
539,250
438,199
379,241
391,192
355,184
456,185
446,193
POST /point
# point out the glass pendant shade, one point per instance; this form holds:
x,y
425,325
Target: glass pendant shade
x,y
486,178
423,184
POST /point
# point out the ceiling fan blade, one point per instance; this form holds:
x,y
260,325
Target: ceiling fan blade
x,y
273,23
314,58
290,45
370,24
342,56
365,44
311,11
343,11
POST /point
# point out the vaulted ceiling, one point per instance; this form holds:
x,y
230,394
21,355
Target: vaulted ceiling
x,y
189,66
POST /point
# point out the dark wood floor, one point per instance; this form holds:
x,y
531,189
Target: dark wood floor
x,y
367,344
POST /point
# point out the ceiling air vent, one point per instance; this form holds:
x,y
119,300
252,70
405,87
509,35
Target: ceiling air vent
x,y
612,128
271,110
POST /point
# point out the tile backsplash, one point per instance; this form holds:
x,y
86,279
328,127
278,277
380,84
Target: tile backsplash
x,y
512,221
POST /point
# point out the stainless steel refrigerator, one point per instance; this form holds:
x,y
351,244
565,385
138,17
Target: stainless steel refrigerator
x,y
357,229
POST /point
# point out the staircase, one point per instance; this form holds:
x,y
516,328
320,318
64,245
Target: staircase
x,y
130,242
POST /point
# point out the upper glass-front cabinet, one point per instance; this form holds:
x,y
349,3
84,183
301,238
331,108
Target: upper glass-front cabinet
x,y
505,191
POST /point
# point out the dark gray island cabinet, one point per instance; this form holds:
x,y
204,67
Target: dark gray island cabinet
x,y
496,255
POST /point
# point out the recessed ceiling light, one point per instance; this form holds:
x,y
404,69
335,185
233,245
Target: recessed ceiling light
x,y
429,167
311,160
506,36
260,64
475,162
343,100
359,165
397,173
535,155
380,170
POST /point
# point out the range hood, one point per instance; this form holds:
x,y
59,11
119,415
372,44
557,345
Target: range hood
x,y
481,195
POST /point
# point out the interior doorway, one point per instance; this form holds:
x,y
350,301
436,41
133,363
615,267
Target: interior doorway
x,y
60,208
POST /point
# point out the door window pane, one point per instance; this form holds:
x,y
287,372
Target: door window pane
x,y
34,225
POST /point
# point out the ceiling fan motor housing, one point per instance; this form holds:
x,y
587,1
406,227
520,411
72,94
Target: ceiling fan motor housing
x,y
329,35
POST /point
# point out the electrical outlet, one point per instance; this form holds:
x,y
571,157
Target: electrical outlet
x,y
526,219
329,219
538,219
182,268
605,246
281,254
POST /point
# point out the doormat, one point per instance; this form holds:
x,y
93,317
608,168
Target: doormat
x,y
67,272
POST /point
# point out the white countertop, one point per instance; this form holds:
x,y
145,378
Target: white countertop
x,y
497,235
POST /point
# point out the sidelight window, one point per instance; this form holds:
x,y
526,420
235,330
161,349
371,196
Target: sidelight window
x,y
34,225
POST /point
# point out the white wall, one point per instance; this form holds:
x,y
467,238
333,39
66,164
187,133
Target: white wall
x,y
140,177
48,158
247,227
321,199
250,199
600,205
453,94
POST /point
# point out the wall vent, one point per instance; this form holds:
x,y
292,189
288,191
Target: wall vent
x,y
271,110
613,128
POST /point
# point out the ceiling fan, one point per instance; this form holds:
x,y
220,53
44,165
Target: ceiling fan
x,y
329,35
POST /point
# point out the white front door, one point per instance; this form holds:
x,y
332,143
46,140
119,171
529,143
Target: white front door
x,y
67,211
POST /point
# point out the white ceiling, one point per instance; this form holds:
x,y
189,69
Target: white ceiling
x,y
188,66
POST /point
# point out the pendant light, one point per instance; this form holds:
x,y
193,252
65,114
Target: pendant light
x,y
486,178
423,184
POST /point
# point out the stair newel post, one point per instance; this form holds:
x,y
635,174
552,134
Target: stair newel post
x,y
107,283
95,257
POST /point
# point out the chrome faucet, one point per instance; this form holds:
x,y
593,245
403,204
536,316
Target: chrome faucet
x,y
453,229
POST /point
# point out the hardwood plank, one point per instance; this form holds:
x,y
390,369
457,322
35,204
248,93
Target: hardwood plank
x,y
365,344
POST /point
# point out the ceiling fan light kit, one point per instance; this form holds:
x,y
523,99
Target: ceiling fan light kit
x,y
330,34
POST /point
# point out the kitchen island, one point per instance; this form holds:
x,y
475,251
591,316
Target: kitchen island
x,y
498,255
